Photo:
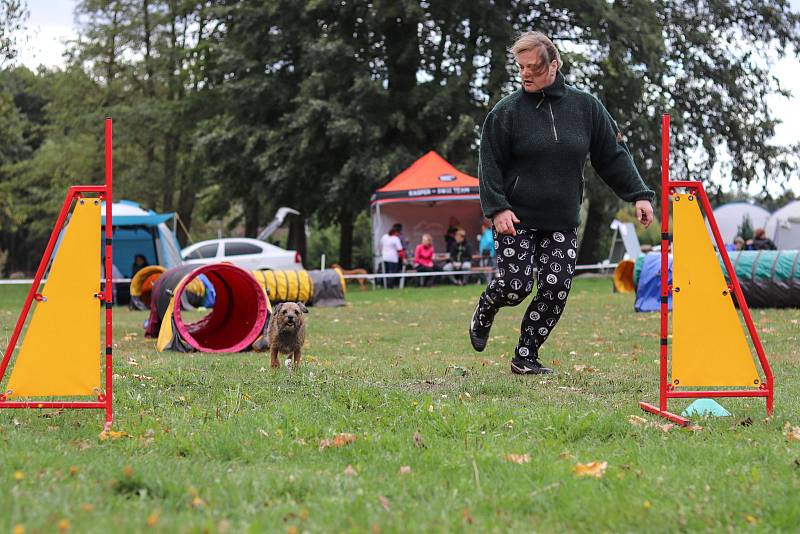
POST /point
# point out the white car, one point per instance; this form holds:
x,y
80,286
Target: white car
x,y
250,254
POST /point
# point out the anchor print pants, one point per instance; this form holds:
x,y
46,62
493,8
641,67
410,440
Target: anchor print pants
x,y
553,254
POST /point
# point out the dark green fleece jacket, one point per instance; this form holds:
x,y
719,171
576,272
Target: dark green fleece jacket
x,y
533,150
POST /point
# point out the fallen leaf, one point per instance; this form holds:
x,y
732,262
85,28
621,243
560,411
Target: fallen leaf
x,y
458,370
467,516
339,440
127,471
636,420
792,432
517,458
19,475
197,502
142,378
647,505
292,530
750,519
48,415
418,442
375,528
556,362
63,525
18,529
105,435
592,469
349,471
73,471
566,456
87,507
641,421
745,422
152,519
385,503
404,469
82,445
693,428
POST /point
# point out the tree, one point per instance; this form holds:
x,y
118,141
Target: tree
x,y
13,14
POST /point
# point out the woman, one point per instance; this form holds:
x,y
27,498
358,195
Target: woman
x,y
390,256
460,257
423,260
534,145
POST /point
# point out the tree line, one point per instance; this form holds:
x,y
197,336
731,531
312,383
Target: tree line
x,y
228,109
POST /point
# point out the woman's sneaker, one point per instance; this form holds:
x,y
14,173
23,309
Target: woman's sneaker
x,y
529,366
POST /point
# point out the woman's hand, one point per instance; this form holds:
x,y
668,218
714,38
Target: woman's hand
x,y
644,212
504,222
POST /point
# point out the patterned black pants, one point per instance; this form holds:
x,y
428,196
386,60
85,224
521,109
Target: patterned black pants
x,y
553,254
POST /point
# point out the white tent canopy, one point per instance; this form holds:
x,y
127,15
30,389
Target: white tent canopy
x,y
783,226
730,216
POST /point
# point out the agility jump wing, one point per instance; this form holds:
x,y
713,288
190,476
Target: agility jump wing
x,y
69,312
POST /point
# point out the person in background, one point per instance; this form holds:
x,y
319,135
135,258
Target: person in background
x,y
139,262
452,227
423,260
398,229
460,257
761,241
390,256
486,248
738,243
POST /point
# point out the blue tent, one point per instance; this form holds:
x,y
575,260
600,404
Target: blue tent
x,y
648,283
137,231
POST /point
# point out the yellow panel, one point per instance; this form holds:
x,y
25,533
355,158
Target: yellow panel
x,y
709,347
60,353
165,333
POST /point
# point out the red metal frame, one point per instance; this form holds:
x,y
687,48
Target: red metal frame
x,y
75,192
666,390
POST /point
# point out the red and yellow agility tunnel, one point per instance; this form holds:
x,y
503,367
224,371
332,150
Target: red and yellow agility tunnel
x,y
142,285
708,349
237,319
68,308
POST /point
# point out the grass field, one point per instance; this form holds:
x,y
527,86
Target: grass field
x,y
222,443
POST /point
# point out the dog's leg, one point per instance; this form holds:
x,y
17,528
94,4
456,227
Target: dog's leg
x,y
296,362
273,358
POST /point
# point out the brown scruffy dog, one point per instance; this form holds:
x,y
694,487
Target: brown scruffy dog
x,y
286,333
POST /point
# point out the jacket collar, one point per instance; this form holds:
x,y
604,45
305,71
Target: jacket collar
x,y
555,90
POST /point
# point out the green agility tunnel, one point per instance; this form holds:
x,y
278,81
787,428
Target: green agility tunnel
x,y
769,278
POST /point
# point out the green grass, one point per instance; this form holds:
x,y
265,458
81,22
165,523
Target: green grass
x,y
220,442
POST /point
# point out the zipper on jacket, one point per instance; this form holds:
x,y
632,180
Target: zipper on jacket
x,y
553,119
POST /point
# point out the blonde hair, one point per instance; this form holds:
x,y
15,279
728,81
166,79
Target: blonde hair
x,y
539,42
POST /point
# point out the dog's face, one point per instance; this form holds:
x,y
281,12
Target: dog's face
x,y
289,315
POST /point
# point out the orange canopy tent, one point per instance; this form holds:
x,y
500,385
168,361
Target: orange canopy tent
x,y
424,198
